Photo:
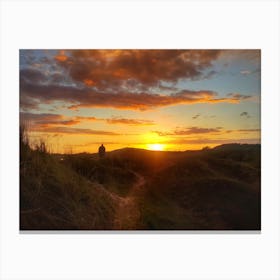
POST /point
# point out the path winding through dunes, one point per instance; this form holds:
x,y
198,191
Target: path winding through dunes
x,y
127,212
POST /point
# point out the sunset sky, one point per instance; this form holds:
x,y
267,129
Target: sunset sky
x,y
153,99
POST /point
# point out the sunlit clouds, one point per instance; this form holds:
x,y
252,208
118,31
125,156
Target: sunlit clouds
x,y
152,99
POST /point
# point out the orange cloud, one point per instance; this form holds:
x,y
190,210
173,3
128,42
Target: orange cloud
x,y
70,130
90,98
51,120
245,131
61,57
145,66
206,141
89,82
123,79
39,122
118,120
81,118
202,130
189,131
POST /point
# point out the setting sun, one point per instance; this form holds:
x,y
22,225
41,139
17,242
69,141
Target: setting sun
x,y
142,137
156,147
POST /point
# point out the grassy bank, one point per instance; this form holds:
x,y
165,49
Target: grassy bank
x,y
54,196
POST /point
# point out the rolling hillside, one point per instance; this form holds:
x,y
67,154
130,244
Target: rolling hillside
x,y
211,189
138,189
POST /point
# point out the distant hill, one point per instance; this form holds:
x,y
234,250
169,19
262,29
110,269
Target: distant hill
x,y
236,146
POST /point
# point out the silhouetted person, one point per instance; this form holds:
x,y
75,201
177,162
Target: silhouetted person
x,y
101,151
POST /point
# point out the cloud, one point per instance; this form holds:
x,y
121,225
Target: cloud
x,y
196,116
31,75
42,77
202,130
214,141
37,122
245,115
250,72
72,130
204,116
190,131
244,130
51,123
122,79
42,119
238,96
250,55
46,120
147,101
34,94
81,118
245,72
120,120
58,124
61,57
249,130
144,66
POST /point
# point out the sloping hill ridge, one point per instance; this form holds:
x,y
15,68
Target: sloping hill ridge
x,y
212,189
53,196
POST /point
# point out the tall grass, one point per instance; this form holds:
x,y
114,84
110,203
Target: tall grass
x,y
54,196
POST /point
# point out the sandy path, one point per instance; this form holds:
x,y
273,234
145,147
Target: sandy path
x,y
127,213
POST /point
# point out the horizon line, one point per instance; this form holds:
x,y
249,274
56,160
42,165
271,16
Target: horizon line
x,y
166,151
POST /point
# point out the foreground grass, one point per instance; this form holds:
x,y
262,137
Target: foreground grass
x,y
112,173
54,196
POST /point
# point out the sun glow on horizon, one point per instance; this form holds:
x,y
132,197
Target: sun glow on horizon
x,y
156,147
158,100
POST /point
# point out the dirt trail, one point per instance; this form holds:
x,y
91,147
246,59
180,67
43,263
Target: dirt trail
x,y
127,213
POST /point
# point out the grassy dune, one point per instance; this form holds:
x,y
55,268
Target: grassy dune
x,y
54,196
